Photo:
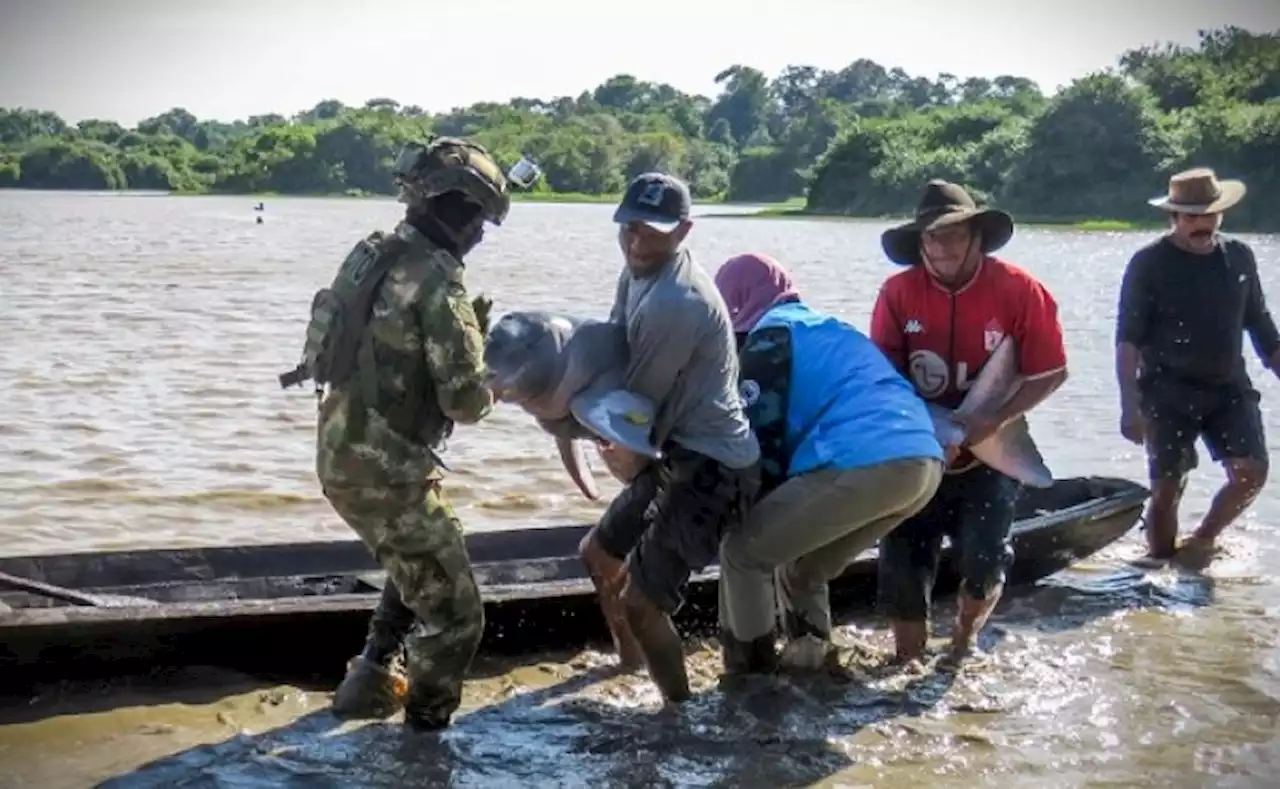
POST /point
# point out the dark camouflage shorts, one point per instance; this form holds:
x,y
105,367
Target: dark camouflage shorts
x,y
669,521
1227,418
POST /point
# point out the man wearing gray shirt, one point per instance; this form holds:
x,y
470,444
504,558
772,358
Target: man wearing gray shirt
x,y
668,522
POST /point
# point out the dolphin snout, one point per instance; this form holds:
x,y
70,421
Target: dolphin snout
x,y
504,388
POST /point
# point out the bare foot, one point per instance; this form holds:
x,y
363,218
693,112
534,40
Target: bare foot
x,y
1150,562
1196,553
961,655
902,664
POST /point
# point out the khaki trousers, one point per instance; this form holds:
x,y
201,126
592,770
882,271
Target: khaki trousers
x,y
806,532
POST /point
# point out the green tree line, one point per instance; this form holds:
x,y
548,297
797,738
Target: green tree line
x,y
859,141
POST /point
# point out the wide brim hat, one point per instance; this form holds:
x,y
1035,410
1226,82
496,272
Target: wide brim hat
x,y
1198,191
944,204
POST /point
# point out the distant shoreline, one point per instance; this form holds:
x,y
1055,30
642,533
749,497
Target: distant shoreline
x,y
1094,224
862,139
788,209
516,197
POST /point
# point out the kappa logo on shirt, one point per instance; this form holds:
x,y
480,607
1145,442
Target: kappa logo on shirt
x,y
913,327
749,391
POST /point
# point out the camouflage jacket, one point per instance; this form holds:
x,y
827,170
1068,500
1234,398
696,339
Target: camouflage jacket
x,y
421,357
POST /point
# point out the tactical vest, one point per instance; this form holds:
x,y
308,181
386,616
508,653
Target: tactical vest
x,y
337,344
340,312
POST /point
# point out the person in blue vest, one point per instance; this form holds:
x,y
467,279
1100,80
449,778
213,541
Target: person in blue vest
x,y
847,453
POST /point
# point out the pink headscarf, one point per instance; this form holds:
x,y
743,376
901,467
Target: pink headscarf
x,y
750,285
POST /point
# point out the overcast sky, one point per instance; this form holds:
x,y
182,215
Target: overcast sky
x,y
125,60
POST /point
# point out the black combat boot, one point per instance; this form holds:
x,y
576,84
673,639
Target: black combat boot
x,y
430,706
759,656
796,626
375,685
437,668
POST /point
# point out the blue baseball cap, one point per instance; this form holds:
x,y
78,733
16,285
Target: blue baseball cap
x,y
659,200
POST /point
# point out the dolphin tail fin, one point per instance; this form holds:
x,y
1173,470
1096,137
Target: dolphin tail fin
x,y
575,462
1012,451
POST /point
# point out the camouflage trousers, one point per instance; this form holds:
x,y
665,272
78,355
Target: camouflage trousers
x,y
414,534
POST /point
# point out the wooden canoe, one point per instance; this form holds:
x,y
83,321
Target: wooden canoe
x,y
301,608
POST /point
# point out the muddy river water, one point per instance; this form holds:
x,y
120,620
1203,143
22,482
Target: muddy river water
x,y
140,338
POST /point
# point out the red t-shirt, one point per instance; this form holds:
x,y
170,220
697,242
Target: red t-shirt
x,y
942,339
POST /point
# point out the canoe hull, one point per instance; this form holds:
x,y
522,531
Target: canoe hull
x,y
250,608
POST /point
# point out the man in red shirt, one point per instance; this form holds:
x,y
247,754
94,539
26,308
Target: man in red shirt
x,y
938,322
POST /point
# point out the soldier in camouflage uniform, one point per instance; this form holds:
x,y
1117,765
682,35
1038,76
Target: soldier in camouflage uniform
x,y
413,367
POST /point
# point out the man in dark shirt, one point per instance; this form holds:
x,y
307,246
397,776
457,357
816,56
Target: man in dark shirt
x,y
1185,303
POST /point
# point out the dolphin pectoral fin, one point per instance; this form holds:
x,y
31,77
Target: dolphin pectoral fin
x,y
575,462
1012,451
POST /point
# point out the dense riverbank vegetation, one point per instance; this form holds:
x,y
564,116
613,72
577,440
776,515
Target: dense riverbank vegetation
x,y
858,141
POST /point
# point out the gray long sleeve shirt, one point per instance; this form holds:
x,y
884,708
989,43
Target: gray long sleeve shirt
x,y
684,358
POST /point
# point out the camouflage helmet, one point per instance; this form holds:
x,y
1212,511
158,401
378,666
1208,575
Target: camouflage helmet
x,y
449,164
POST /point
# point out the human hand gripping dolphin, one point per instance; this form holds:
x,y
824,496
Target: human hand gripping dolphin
x,y
567,372
1006,447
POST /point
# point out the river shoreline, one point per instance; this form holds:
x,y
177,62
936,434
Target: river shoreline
x,y
145,337
786,209
1060,223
